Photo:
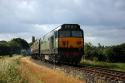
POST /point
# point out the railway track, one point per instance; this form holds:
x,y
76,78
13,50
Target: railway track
x,y
88,73
101,75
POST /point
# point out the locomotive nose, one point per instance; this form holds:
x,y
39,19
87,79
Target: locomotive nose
x,y
71,42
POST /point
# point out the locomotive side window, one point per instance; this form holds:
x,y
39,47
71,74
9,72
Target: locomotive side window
x,y
76,34
56,34
64,34
51,42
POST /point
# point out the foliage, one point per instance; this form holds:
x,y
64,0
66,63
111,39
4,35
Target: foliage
x,y
4,48
13,46
113,66
107,53
20,42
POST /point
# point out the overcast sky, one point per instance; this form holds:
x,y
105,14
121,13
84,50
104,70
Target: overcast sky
x,y
103,21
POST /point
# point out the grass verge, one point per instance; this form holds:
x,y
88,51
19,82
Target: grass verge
x,y
113,66
43,74
29,74
9,70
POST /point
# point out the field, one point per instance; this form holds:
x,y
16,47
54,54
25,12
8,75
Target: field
x,y
113,66
18,69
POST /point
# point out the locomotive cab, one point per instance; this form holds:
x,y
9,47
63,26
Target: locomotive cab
x,y
70,43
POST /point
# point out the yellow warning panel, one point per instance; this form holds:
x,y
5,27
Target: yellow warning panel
x,y
71,42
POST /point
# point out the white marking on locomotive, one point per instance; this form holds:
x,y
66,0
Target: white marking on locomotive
x,y
46,57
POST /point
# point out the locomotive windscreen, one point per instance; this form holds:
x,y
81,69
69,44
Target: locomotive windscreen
x,y
76,33
64,34
70,34
70,30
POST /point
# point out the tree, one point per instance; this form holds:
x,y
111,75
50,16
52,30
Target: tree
x,y
21,42
118,53
108,53
4,48
18,44
15,46
89,51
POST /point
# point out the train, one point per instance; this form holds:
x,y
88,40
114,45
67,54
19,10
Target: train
x,y
63,45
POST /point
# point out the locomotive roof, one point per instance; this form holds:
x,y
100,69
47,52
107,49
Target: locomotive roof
x,y
70,27
64,27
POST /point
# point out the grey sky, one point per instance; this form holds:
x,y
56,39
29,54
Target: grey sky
x,y
102,20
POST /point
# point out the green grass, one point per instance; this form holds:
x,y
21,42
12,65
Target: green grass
x,y
113,66
9,70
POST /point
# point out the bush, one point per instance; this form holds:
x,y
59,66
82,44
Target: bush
x,y
108,53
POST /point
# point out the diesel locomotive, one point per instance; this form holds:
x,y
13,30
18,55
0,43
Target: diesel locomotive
x,y
64,44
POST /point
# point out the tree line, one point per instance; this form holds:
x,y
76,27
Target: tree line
x,y
99,53
14,46
105,53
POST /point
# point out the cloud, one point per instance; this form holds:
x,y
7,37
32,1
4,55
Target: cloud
x,y
99,18
89,12
8,36
106,35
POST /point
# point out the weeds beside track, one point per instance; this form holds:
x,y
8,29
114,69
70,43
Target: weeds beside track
x,y
9,70
89,73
